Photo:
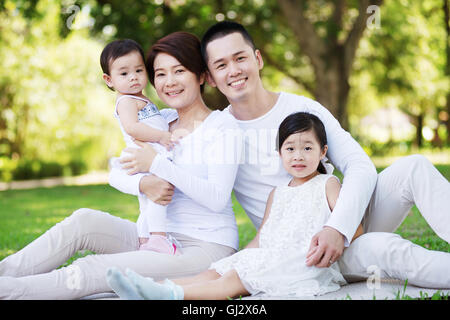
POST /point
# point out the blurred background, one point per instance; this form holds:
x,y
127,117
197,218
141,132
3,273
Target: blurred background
x,y
381,67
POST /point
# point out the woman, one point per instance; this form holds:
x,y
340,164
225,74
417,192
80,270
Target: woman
x,y
200,215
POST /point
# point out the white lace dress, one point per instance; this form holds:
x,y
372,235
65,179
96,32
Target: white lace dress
x,y
277,267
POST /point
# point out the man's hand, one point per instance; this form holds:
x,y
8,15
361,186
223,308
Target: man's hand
x,y
139,160
326,248
156,189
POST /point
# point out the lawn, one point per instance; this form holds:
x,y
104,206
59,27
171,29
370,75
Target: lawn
x,y
26,214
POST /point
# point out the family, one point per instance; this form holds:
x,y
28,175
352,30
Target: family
x,y
274,150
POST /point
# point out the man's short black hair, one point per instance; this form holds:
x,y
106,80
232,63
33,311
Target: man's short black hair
x,y
222,29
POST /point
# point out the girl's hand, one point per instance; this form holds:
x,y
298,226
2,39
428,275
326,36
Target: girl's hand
x,y
140,160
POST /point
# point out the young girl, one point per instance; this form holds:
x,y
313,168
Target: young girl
x,y
273,263
124,70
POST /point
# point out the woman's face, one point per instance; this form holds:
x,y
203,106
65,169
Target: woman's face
x,y
175,85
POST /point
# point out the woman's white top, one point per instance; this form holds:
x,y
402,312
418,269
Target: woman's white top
x,y
203,171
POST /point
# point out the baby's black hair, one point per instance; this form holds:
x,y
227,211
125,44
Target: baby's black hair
x,y
117,49
300,122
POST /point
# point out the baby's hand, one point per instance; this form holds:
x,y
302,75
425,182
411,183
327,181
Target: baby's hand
x,y
167,141
179,134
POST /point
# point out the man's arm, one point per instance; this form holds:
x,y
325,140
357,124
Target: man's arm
x,y
318,254
359,172
360,177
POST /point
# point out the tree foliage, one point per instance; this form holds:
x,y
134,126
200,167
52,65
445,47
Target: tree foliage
x,y
55,108
312,42
406,60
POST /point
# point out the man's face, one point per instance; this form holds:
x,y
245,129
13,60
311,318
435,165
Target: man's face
x,y
234,67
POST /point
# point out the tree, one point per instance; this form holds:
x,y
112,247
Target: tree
x,y
316,44
326,32
332,53
406,60
446,9
54,106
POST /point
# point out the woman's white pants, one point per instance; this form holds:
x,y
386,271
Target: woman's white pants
x,y
31,272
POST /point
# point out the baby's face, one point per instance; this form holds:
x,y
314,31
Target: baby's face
x,y
128,74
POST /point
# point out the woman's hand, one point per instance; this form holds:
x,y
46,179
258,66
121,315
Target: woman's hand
x,y
156,189
140,160
167,141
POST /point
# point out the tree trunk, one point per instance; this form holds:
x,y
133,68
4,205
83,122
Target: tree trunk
x,y
332,88
331,58
419,128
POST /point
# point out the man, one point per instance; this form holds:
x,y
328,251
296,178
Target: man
x,y
380,201
384,201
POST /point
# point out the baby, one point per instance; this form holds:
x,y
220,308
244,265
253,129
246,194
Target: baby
x,y
124,71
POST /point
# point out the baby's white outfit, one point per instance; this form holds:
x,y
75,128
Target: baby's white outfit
x,y
277,267
152,216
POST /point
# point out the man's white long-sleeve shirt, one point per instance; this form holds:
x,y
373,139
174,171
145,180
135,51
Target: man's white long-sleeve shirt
x,y
261,169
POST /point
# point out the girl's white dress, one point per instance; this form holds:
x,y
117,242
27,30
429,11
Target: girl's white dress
x,y
277,267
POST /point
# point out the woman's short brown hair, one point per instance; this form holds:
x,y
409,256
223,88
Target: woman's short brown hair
x,y
183,46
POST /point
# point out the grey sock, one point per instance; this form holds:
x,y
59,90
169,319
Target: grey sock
x,y
152,290
121,285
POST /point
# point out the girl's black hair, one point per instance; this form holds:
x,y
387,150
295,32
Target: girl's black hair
x,y
300,122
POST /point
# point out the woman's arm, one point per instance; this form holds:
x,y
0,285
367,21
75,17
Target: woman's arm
x,y
255,242
213,191
156,189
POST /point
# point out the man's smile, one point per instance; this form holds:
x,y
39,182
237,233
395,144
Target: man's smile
x,y
238,83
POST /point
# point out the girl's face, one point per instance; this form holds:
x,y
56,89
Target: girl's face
x,y
175,85
301,154
127,74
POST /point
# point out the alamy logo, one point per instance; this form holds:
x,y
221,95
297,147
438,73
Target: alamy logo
x,y
374,280
374,20
73,281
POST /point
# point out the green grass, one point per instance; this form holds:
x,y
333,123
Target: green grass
x,y
26,214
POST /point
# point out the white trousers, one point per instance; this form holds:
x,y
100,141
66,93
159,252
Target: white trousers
x,y
410,180
31,272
